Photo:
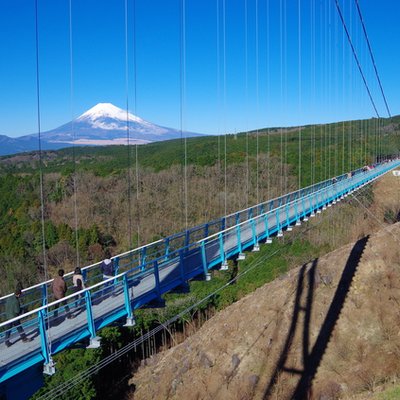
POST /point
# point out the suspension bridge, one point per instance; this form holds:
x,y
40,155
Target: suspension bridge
x,y
144,274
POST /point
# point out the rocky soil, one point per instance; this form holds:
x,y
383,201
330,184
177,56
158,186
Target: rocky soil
x,y
328,329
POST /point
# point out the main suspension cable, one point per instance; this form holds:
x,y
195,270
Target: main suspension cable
x,y
356,57
372,57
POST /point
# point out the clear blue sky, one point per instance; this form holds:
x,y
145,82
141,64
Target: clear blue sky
x,y
327,87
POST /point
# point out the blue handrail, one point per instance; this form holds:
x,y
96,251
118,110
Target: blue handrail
x,y
142,281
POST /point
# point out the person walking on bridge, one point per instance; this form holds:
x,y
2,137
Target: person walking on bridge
x,y
13,309
107,269
59,290
79,284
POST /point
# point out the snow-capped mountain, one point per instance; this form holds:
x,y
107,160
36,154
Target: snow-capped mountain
x,y
103,124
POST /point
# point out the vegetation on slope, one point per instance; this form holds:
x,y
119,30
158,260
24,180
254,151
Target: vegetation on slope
x,y
98,183
99,179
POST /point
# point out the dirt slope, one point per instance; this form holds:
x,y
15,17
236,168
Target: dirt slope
x,y
328,329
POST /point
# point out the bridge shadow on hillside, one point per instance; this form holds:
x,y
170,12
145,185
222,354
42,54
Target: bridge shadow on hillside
x,y
312,359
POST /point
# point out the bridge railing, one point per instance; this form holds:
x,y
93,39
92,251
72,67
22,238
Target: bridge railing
x,y
219,247
145,280
41,293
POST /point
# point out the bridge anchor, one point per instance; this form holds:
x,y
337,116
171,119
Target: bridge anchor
x,y
94,343
269,240
130,321
256,247
224,266
241,256
49,368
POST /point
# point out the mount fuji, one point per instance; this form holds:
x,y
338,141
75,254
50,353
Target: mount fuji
x,y
104,124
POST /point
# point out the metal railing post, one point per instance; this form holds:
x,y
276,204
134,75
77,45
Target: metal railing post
x,y
181,266
187,239
48,366
143,257
157,278
166,248
207,275
94,340
116,268
253,229
130,319
287,214
44,294
221,247
239,239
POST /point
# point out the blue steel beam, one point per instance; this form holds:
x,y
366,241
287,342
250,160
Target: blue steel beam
x,y
154,277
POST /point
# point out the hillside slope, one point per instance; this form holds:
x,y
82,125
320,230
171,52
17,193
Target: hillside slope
x,y
333,322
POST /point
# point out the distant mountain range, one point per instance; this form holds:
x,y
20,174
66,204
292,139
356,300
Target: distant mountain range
x,y
104,124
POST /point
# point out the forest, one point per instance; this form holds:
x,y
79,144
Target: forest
x,y
120,197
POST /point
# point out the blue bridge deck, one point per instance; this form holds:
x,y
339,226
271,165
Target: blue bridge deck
x,y
146,273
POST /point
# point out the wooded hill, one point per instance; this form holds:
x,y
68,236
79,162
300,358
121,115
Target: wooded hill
x,y
223,174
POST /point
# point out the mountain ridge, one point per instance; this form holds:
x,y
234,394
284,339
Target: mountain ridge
x,y
102,125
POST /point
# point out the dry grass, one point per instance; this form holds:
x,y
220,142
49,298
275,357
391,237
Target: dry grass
x,y
363,350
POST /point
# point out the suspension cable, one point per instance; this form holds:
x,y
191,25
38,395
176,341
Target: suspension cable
x,y
355,56
218,38
224,89
41,180
182,107
281,87
128,143
329,85
372,57
74,179
246,95
285,90
267,97
321,129
299,77
312,72
350,95
257,107
137,172
343,100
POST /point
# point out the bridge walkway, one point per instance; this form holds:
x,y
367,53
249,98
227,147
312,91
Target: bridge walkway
x,y
145,274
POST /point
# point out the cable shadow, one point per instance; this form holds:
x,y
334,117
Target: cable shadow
x,y
312,360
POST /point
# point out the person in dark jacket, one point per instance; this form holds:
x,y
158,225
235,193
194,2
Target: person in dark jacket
x,y
59,290
107,269
13,309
